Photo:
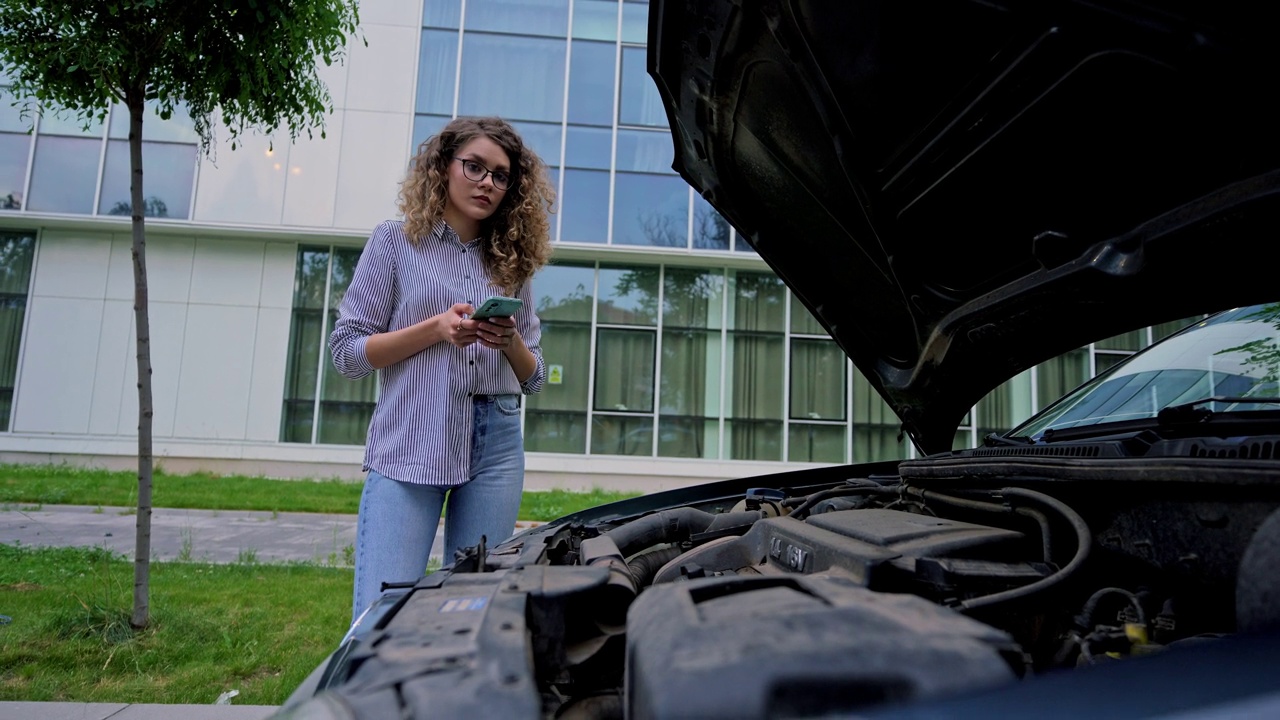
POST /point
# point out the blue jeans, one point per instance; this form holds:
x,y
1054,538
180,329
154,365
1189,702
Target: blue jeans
x,y
397,522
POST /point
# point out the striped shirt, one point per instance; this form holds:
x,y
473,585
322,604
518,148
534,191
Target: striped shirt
x,y
421,426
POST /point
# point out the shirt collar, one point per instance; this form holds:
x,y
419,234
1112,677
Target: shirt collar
x,y
442,231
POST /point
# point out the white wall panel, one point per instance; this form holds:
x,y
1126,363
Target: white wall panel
x,y
371,172
382,76
168,328
116,349
311,186
334,76
406,13
58,364
278,270
217,357
266,390
72,265
246,185
226,272
168,267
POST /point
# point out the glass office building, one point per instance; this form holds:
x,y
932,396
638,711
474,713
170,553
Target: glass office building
x,y
674,354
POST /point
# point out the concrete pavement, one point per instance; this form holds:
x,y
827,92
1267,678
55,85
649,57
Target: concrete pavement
x,y
122,711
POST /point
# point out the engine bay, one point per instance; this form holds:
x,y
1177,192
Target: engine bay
x,y
838,597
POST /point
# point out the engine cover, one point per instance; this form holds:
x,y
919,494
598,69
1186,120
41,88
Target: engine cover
x,y
797,646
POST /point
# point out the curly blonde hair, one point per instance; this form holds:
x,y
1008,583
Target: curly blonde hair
x,y
516,238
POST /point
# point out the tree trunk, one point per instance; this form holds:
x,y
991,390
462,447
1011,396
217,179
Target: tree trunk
x,y
135,101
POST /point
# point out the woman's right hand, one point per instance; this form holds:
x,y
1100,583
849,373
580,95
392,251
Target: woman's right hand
x,y
458,329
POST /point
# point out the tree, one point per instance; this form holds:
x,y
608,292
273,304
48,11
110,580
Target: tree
x,y
254,62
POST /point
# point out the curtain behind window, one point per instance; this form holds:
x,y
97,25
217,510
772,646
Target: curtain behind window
x,y
16,252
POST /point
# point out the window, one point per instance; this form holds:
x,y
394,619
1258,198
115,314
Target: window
x,y
626,356
15,149
321,406
74,165
650,210
639,103
16,252
755,366
556,418
517,78
692,358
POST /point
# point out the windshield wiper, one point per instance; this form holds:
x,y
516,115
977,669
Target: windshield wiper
x,y
1192,412
997,440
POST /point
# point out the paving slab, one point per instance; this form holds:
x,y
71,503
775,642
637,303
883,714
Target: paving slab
x,y
125,711
220,536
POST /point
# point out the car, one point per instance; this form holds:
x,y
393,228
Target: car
x,y
957,191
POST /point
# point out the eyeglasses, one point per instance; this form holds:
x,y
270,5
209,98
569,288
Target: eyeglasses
x,y
475,172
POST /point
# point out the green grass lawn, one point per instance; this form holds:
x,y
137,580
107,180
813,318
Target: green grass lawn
x,y
258,629
67,485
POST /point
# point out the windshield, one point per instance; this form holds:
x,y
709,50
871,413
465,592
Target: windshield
x,y
1234,355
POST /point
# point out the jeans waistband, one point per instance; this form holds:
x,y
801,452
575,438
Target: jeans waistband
x,y
479,398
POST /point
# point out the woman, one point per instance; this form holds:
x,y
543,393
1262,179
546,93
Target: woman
x,y
446,428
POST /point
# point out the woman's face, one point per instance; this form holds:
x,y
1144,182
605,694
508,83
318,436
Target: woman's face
x,y
472,201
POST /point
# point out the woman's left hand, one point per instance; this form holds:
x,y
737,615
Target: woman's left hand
x,y
498,333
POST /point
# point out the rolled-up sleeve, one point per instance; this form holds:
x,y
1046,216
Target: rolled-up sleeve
x,y
366,307
530,328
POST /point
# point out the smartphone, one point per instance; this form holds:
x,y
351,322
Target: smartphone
x,y
497,307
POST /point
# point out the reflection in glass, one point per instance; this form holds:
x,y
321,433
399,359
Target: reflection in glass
x,y
345,406
437,65
624,370
635,21
584,207
565,292
811,442
817,380
621,435
518,78
168,171
758,303
588,147
67,123
543,139
441,13
1065,372
640,103
64,174
556,418
755,364
525,17
876,434
11,118
1130,341
692,298
14,151
178,128
802,321
591,76
688,437
595,20
710,229
1005,407
555,431
645,151
650,210
628,296
690,394
424,126
16,251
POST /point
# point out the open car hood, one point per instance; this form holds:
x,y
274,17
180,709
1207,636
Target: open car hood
x,y
958,190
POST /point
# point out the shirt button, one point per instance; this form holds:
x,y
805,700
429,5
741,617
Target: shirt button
x,y
473,362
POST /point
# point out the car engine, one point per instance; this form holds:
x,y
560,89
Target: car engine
x,y
949,576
